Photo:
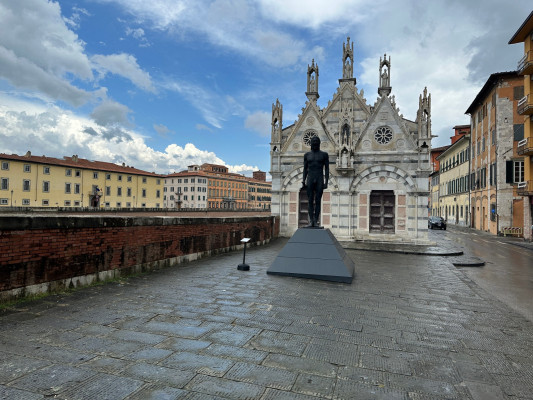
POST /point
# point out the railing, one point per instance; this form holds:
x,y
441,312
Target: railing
x,y
525,62
525,146
524,106
525,188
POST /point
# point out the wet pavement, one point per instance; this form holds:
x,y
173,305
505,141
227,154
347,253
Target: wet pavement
x,y
410,326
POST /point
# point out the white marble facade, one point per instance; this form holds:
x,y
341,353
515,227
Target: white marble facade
x,y
380,161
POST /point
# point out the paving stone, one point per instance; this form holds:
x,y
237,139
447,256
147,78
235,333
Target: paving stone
x,y
275,394
235,353
167,328
299,364
483,391
158,374
261,375
104,346
314,385
140,337
180,344
473,372
14,366
362,375
224,387
106,364
422,385
202,364
348,390
151,354
157,392
17,394
326,350
103,386
283,343
52,380
230,337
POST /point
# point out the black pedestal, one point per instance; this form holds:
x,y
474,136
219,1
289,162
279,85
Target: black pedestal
x,y
314,254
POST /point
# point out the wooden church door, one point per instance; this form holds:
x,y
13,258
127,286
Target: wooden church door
x,y
382,204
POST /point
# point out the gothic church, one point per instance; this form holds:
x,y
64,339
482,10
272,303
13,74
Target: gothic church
x,y
379,161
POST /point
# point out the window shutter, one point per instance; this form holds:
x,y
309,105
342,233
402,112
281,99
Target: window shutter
x,y
518,132
509,172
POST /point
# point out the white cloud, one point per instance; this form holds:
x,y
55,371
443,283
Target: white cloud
x,y
124,65
161,130
138,33
56,132
110,113
260,122
38,51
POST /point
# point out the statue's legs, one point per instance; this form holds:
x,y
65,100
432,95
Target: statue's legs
x,y
318,201
310,199
315,189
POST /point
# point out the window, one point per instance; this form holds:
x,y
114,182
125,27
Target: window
x,y
108,177
67,203
483,144
186,180
129,178
27,168
144,193
4,202
192,180
95,175
107,204
493,136
77,188
518,132
5,165
68,172
46,170
493,211
158,182
119,192
144,179
518,171
128,192
77,203
185,197
26,183
77,173
67,187
158,194
5,184
143,204
192,189
119,204
128,204
46,186
518,92
108,190
45,203
25,202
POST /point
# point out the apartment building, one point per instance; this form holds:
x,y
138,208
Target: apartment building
x,y
453,202
40,181
225,190
259,191
524,34
186,189
496,168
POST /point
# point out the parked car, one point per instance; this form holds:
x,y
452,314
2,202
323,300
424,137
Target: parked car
x,y
436,222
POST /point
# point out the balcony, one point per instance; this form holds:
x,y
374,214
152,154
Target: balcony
x,y
525,106
525,188
525,147
525,65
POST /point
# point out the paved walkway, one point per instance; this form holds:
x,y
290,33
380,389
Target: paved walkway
x,y
410,326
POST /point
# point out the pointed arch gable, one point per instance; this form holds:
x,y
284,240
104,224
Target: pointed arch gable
x,y
296,176
387,171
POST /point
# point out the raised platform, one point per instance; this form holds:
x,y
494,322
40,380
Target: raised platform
x,y
314,254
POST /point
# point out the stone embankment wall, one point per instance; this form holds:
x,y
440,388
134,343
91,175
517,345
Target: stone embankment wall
x,y
40,254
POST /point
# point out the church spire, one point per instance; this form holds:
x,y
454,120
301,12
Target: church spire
x,y
312,81
347,61
384,88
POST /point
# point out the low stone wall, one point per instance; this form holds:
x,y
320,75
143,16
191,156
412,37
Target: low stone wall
x,y
40,254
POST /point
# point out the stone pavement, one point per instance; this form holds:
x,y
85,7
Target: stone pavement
x,y
410,326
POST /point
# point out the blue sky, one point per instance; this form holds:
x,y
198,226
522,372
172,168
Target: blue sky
x,y
164,84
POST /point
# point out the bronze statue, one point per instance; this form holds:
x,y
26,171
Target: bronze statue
x,y
315,179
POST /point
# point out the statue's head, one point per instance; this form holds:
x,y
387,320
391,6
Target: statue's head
x,y
315,143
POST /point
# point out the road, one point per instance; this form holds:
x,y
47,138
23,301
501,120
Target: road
x,y
508,272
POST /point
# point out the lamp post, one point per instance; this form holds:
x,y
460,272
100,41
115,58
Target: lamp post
x,y
244,266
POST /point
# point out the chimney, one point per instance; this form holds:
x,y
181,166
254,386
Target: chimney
x,y
28,154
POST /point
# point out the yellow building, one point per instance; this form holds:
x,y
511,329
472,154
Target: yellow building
x,y
524,34
39,181
453,199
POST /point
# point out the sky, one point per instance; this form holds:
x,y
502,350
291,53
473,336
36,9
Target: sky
x,y
163,84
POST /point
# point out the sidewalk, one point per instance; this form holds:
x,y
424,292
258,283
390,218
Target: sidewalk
x,y
408,327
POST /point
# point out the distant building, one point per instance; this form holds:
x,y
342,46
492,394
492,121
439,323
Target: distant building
x,y
259,191
524,34
39,181
226,190
496,168
454,185
187,189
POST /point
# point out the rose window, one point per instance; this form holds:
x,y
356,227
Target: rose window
x,y
383,135
308,136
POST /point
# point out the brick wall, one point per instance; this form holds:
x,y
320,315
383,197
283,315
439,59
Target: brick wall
x,y
46,253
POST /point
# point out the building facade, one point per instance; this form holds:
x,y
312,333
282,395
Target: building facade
x,y
259,191
39,181
226,190
524,34
380,161
496,168
187,189
454,199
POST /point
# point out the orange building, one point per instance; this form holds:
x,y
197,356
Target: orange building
x,y
496,169
225,190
